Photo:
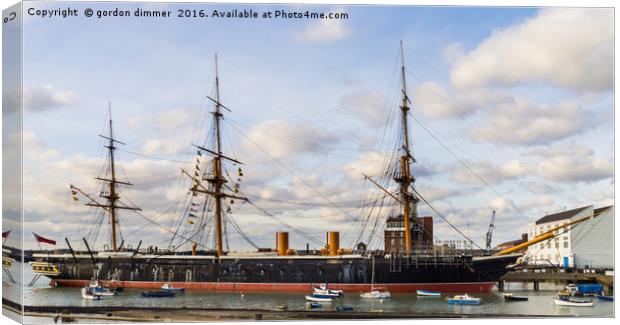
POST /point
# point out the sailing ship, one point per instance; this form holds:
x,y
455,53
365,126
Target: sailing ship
x,y
361,270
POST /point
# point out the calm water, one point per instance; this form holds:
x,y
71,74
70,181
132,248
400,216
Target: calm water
x,y
540,303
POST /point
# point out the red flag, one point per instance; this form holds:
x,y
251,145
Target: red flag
x,y
6,234
41,239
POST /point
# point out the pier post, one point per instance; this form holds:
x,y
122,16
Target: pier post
x,y
536,285
500,285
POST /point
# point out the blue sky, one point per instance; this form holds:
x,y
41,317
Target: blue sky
x,y
520,95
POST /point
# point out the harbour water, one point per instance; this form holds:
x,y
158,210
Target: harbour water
x,y
539,303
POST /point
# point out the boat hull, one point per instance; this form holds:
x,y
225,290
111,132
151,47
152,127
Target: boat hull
x,y
464,302
560,302
291,287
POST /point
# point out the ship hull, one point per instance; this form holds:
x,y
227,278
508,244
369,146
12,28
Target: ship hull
x,y
285,274
288,287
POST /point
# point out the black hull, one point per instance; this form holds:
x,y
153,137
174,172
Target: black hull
x,y
145,271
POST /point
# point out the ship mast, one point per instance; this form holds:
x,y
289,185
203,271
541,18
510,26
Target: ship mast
x,y
111,195
405,179
217,180
217,164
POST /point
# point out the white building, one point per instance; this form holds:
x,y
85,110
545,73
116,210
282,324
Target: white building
x,y
587,244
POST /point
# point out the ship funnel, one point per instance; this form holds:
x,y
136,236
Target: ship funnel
x,y
282,243
334,243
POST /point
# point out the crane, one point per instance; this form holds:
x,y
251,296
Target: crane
x,y
490,234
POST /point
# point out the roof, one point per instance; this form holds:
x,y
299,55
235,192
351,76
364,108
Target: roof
x,y
599,210
560,216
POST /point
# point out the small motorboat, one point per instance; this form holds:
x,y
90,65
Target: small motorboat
x,y
324,290
375,293
566,298
157,294
605,298
319,298
511,297
169,287
89,293
427,293
464,300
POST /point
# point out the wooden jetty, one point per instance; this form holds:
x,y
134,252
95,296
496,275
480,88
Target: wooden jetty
x,y
536,276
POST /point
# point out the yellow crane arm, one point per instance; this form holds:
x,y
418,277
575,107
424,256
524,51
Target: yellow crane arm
x,y
544,236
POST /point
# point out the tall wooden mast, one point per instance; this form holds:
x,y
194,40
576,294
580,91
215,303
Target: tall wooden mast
x,y
217,164
217,180
112,184
405,179
111,195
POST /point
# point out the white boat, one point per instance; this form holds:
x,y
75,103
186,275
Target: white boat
x,y
314,298
325,291
573,303
89,293
99,290
428,293
169,287
375,293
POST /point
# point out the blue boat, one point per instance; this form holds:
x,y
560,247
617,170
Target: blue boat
x,y
605,298
313,305
464,300
428,293
157,294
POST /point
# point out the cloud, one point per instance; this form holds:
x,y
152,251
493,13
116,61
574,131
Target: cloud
x,y
574,164
369,163
287,139
434,102
366,105
567,47
521,122
433,193
165,146
47,97
488,172
322,31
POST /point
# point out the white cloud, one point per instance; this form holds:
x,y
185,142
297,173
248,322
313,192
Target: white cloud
x,y
46,97
434,102
370,163
567,47
490,173
288,139
366,105
521,122
165,146
324,30
575,164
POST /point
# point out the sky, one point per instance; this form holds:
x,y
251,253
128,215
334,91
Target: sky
x,y
512,111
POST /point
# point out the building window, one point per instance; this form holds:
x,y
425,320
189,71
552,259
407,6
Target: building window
x,y
557,244
565,244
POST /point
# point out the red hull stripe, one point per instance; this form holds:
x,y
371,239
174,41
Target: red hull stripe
x,y
291,287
